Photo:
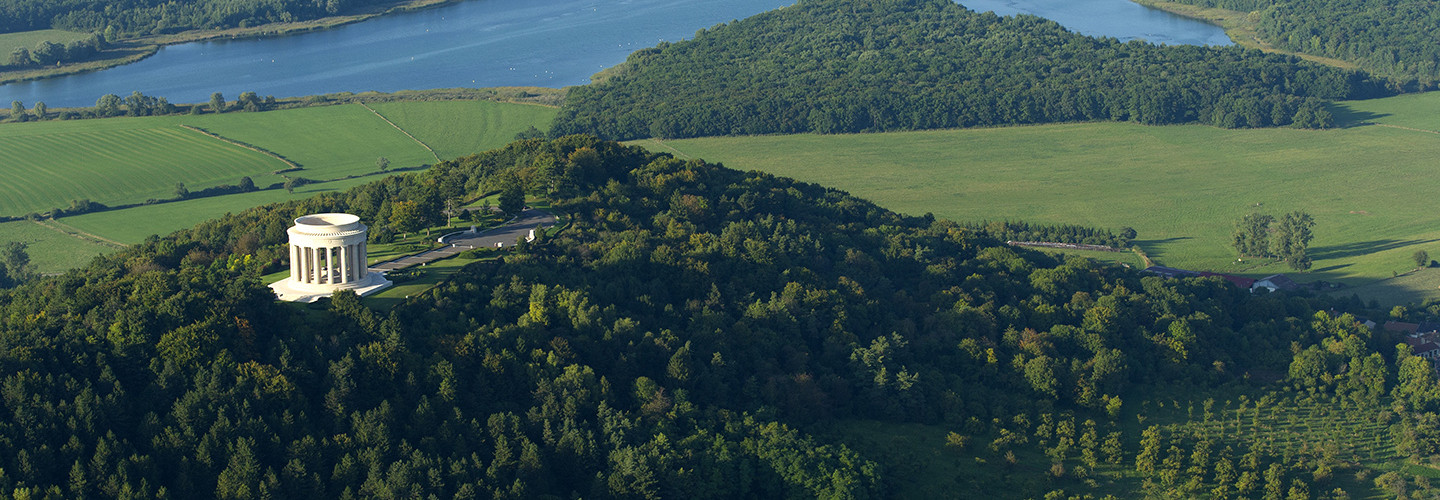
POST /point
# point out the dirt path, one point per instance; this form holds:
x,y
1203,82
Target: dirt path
x,y
291,165
407,134
68,230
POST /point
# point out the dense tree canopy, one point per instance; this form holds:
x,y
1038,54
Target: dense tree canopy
x,y
145,17
1388,37
832,66
672,342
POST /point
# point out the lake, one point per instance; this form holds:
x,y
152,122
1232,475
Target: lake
x,y
491,43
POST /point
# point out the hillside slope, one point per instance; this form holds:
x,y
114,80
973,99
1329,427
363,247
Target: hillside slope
x,y
677,340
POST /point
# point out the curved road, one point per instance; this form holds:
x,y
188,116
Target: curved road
x,y
459,242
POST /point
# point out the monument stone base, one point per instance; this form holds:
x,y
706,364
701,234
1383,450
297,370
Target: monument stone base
x,y
288,290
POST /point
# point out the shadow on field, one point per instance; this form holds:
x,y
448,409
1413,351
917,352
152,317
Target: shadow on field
x,y
1330,268
1345,117
1145,243
1363,247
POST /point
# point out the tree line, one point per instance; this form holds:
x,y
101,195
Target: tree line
x,y
139,104
839,66
48,53
676,340
1396,38
131,18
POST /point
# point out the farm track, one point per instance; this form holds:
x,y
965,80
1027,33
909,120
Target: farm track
x,y
407,134
72,231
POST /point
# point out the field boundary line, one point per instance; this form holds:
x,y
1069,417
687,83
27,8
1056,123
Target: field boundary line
x,y
292,165
672,148
407,134
69,230
1406,128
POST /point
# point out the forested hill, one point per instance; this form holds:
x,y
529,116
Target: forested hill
x,y
145,17
1391,37
670,343
832,66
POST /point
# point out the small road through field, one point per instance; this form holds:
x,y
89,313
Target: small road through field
x,y
460,242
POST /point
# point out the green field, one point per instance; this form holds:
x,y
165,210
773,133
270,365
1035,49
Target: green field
x,y
29,39
1181,187
50,249
330,142
460,128
47,166
129,160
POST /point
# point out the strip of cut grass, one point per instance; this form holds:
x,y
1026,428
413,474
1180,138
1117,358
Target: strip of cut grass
x,y
459,128
1181,187
133,225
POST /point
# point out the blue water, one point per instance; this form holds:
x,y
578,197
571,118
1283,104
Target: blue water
x,y
489,43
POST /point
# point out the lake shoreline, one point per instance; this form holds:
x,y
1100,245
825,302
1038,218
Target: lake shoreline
x,y
1238,27
138,49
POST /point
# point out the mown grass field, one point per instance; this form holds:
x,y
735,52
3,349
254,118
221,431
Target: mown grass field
x,y
126,161
129,160
1181,187
29,39
51,250
459,128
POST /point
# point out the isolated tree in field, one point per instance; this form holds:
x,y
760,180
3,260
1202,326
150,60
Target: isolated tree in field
x,y
290,184
382,163
217,102
246,184
40,110
17,111
1252,235
1422,258
1292,238
512,198
180,191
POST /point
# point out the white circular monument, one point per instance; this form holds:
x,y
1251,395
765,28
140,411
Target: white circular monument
x,y
327,254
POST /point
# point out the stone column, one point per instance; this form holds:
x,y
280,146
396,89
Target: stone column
x,y
294,262
345,264
364,266
309,257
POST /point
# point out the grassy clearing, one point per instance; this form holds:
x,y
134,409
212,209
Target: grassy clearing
x,y
459,128
125,161
1181,187
29,39
417,281
51,251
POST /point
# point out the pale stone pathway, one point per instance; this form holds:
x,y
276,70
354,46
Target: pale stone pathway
x,y
460,242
